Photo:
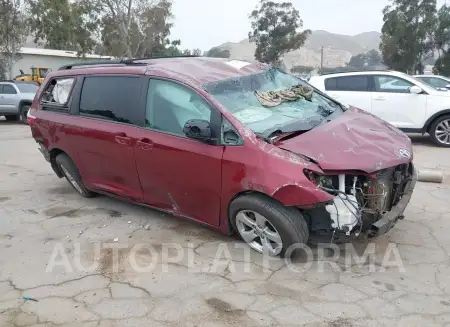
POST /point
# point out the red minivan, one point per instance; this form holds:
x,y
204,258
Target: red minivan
x,y
240,147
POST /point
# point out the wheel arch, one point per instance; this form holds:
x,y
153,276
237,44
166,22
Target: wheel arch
x,y
53,154
25,103
237,195
433,118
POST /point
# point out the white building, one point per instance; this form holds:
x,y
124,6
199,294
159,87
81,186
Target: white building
x,y
48,58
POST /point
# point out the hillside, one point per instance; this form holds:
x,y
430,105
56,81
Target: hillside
x,y
338,49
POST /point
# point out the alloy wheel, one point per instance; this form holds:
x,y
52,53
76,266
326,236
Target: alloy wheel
x,y
258,232
442,132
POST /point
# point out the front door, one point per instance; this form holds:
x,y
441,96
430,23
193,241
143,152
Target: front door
x,y
105,133
179,174
392,102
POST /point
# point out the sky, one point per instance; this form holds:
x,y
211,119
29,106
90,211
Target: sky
x,y
207,23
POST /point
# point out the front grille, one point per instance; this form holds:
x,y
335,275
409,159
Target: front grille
x,y
388,187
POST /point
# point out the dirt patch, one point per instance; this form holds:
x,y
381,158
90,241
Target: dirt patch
x,y
61,190
62,212
68,212
340,323
223,307
4,198
389,287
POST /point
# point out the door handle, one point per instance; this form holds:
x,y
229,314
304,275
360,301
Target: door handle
x,y
144,144
380,98
121,138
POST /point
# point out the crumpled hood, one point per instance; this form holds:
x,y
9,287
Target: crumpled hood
x,y
356,140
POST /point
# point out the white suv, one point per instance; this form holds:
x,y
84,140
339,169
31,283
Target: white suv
x,y
402,100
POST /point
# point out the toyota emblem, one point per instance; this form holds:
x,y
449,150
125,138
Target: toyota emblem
x,y
404,153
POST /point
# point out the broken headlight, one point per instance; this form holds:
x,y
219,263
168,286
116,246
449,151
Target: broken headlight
x,y
319,179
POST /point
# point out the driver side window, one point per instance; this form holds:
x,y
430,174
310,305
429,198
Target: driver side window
x,y
170,105
391,84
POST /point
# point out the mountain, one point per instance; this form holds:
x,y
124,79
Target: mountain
x,y
338,49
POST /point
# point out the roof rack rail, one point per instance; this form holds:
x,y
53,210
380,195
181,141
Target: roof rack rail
x,y
133,61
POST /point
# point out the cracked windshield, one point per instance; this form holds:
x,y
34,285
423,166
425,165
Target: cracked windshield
x,y
273,100
212,163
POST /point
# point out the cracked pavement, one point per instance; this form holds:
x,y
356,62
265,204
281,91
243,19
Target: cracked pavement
x,y
191,276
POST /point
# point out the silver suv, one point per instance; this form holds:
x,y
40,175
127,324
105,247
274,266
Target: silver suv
x,y
16,98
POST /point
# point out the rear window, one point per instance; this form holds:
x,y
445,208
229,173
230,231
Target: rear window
x,y
27,88
359,83
114,98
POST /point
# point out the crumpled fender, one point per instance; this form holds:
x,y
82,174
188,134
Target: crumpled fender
x,y
299,195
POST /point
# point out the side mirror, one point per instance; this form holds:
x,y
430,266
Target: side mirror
x,y
198,129
415,89
447,86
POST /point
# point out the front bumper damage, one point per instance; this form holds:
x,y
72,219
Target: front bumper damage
x,y
390,218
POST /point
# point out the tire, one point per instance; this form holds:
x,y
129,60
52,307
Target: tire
x,y
11,117
23,114
288,222
72,175
439,125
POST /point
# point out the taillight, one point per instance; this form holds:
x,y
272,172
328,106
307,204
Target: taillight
x,y
31,118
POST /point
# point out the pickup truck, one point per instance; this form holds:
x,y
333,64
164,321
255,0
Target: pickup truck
x,y
16,98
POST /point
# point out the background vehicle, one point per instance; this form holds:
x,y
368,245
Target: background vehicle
x,y
402,100
16,98
37,75
202,138
439,82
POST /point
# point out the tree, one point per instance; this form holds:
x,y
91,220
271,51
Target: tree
x,y
218,53
13,33
197,52
442,41
275,30
64,24
302,69
364,60
136,28
407,33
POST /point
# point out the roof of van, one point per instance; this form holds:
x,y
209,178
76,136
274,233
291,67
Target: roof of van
x,y
201,70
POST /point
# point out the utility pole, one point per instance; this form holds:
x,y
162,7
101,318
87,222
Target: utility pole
x,y
321,59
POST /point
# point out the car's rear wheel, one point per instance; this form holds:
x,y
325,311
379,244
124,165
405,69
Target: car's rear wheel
x,y
72,175
267,226
11,117
23,114
440,131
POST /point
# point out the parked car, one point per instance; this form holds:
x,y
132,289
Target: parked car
x,y
402,100
439,82
202,138
16,98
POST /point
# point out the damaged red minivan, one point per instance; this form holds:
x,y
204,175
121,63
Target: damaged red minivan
x,y
240,147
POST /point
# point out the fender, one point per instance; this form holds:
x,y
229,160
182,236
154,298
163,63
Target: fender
x,y
300,196
430,120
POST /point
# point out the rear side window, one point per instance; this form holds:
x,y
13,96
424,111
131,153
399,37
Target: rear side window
x,y
57,93
359,83
114,98
7,89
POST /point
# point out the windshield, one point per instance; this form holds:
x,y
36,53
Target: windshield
x,y
239,96
27,88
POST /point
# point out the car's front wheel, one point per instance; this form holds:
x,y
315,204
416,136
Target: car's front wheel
x,y
440,131
72,175
267,226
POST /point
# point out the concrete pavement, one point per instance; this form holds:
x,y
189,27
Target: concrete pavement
x,y
101,262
